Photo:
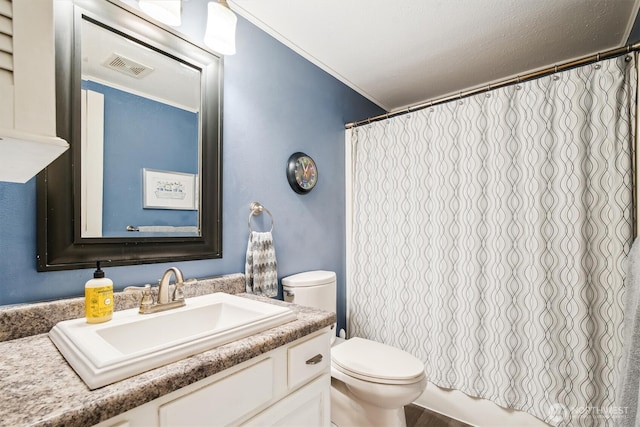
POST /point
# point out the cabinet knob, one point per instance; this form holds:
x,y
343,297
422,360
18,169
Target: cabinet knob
x,y
315,360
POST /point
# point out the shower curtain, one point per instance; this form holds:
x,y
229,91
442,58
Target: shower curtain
x,y
488,239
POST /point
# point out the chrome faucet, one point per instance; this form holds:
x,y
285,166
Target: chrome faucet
x,y
162,302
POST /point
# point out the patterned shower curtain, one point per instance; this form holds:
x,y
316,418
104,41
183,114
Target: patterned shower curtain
x,y
489,236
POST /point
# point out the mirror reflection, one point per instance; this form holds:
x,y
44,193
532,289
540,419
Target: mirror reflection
x,y
140,138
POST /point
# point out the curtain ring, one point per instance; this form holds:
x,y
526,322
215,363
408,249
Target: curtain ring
x,y
518,83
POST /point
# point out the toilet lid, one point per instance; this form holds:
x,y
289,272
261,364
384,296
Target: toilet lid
x,y
309,278
376,362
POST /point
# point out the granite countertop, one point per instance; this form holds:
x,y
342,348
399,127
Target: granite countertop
x,y
39,388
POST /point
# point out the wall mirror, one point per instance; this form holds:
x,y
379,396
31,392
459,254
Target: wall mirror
x,y
141,108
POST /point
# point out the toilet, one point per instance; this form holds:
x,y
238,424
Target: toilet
x,y
371,382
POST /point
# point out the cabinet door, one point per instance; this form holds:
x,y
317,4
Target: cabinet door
x,y
224,401
307,407
142,416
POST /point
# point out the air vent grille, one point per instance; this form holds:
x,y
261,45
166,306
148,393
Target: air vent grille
x,y
127,66
6,42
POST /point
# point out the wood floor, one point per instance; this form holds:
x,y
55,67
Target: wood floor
x,y
420,417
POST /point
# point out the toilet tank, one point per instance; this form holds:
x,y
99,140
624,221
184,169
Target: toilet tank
x,y
316,289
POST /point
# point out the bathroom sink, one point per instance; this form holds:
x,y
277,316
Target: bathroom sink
x,y
132,343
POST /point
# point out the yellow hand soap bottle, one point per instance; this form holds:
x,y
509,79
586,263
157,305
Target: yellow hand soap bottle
x,y
98,297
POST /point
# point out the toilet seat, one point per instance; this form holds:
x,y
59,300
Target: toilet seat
x,y
376,362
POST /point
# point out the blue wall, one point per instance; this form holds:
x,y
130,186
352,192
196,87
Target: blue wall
x,y
133,124
276,103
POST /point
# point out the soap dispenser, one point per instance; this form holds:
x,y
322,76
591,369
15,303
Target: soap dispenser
x,y
98,297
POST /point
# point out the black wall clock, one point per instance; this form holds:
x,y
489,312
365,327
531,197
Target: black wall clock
x,y
302,173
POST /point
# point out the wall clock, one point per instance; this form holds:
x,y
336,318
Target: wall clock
x,y
302,173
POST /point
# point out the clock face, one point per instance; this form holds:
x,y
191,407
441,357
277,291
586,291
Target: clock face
x,y
302,173
306,174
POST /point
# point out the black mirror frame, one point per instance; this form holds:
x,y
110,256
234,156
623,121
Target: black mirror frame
x,y
59,242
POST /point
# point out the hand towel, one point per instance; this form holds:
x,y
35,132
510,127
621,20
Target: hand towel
x,y
261,273
627,393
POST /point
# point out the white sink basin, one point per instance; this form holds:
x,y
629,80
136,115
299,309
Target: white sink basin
x,y
132,343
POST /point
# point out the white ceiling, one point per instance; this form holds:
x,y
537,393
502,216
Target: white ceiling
x,y
402,53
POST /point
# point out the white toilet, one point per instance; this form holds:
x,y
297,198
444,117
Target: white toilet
x,y
370,382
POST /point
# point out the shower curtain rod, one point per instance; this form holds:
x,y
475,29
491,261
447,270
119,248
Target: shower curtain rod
x,y
485,88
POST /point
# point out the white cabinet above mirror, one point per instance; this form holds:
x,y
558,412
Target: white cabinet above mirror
x,y
28,140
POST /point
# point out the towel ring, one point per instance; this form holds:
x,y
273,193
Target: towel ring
x,y
256,209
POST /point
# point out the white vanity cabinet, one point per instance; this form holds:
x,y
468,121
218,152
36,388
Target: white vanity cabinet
x,y
288,386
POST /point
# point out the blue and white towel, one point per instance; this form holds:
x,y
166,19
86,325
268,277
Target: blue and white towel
x,y
261,268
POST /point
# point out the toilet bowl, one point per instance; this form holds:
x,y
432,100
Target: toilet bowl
x,y
371,382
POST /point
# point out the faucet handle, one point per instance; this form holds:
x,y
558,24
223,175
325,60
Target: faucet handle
x,y
178,293
141,289
147,298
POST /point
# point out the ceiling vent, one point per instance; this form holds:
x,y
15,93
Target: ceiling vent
x,y
127,66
